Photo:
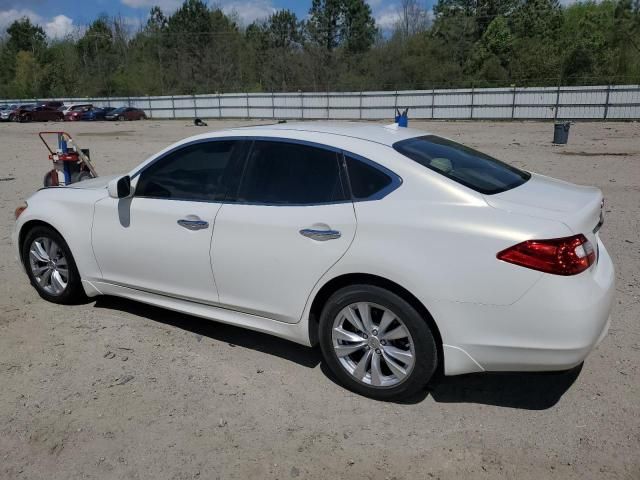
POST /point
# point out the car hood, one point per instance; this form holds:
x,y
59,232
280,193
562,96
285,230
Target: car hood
x,y
93,183
576,206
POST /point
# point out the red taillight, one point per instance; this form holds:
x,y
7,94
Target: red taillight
x,y
20,209
560,256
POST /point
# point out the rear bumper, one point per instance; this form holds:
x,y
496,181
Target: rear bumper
x,y
554,326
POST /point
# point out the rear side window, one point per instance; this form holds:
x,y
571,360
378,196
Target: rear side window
x,y
195,172
280,173
366,181
464,165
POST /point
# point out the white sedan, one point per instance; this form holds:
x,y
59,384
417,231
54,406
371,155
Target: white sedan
x,y
400,252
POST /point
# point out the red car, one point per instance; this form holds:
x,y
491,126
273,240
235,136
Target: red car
x,y
126,113
38,114
74,112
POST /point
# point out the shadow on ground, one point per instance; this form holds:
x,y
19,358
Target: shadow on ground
x,y
527,391
305,356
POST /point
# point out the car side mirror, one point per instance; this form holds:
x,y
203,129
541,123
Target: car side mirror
x,y
120,187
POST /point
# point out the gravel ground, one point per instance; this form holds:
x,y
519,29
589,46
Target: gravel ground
x,y
115,389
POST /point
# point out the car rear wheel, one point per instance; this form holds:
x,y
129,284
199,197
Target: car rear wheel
x,y
121,118
376,343
51,267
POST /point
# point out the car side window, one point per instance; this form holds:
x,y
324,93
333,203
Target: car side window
x,y
366,181
281,173
195,172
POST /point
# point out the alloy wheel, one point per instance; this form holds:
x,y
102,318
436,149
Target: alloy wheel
x,y
373,344
49,265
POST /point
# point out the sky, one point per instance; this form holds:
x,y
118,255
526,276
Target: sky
x,y
60,17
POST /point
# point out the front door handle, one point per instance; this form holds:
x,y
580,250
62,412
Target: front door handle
x,y
193,223
320,235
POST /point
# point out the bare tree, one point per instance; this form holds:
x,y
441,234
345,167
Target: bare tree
x,y
413,17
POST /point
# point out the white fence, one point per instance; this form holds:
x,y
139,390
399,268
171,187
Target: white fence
x,y
517,103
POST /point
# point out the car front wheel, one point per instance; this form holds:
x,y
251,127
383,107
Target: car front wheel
x,y
376,343
51,267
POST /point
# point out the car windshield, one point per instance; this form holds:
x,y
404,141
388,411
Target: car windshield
x,y
464,165
118,110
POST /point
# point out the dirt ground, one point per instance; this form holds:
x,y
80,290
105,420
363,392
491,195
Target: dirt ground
x,y
117,390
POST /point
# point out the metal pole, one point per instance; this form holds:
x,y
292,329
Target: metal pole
x,y
219,106
555,115
433,102
472,90
247,97
150,110
606,103
195,106
173,107
513,102
302,104
360,105
273,105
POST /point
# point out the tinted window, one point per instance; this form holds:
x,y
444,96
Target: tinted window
x,y
365,179
463,164
195,172
286,173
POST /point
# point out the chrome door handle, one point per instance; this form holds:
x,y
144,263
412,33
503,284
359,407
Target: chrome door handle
x,y
320,235
193,224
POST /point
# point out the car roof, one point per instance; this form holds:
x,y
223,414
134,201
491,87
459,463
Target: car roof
x,y
372,132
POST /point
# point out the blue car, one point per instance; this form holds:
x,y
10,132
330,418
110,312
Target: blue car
x,y
95,113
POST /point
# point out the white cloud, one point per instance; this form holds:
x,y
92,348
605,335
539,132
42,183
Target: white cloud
x,y
387,17
56,27
247,11
167,6
59,26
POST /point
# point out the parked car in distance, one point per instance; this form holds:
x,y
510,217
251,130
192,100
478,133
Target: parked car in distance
x,y
398,251
126,113
52,104
14,115
40,114
75,112
96,113
7,112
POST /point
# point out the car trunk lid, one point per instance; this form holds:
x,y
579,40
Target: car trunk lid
x,y
578,207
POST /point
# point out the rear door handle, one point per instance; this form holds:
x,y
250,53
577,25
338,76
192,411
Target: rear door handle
x,y
320,235
193,223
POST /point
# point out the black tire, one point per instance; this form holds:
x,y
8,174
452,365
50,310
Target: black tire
x,y
48,180
73,292
121,118
424,344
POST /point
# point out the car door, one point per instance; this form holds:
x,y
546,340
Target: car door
x,y
291,220
159,240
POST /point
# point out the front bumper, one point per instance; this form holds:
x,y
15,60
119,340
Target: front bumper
x,y
554,326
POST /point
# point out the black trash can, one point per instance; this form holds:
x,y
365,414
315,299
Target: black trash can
x,y
561,133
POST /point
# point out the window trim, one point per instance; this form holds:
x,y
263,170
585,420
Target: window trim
x,y
243,156
459,181
233,163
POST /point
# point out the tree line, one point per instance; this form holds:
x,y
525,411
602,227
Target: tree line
x,y
338,46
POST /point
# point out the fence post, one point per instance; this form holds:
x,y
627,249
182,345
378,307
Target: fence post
x,y
195,106
247,98
219,106
513,101
173,107
150,110
606,103
472,91
433,102
555,114
328,109
302,104
395,104
360,105
273,105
